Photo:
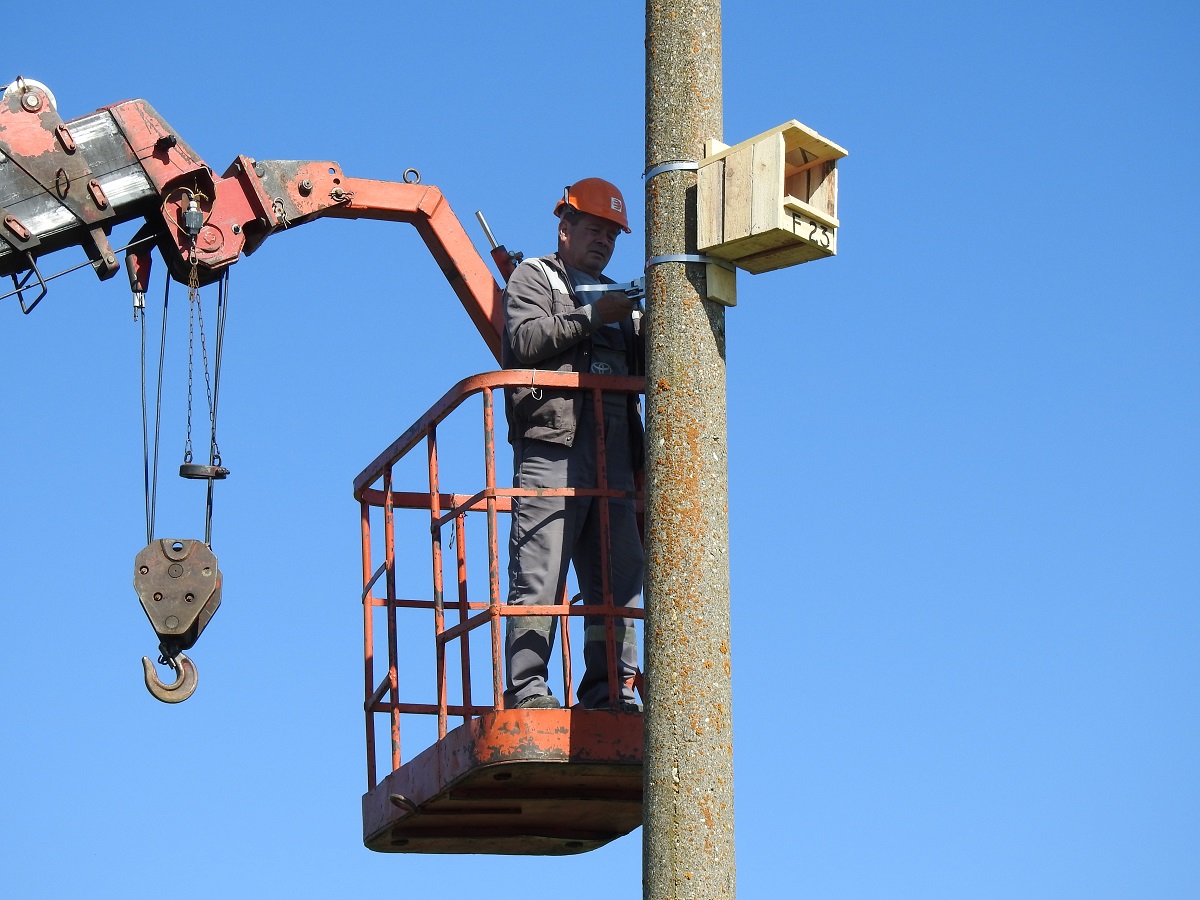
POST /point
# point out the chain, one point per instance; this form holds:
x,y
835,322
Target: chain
x,y
193,300
208,389
196,316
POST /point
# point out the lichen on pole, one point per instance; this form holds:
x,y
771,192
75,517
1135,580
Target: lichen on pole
x,y
688,833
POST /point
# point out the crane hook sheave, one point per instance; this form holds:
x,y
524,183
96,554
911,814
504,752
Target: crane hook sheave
x,y
20,85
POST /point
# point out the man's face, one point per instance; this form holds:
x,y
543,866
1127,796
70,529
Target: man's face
x,y
588,244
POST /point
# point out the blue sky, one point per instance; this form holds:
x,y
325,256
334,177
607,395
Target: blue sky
x,y
963,454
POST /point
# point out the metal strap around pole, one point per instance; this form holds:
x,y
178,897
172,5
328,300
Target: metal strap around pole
x,y
623,287
678,165
674,165
689,258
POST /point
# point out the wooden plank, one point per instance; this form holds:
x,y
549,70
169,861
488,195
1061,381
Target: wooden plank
x,y
831,190
817,187
766,183
780,258
739,169
798,180
722,284
795,204
798,161
810,141
710,205
812,231
801,241
767,240
795,135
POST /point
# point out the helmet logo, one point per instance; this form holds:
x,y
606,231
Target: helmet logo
x,y
617,204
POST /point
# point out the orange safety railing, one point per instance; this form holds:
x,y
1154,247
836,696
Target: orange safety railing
x,y
374,489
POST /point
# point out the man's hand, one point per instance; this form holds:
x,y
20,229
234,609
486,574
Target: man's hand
x,y
613,307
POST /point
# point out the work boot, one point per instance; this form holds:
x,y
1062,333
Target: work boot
x,y
540,701
622,706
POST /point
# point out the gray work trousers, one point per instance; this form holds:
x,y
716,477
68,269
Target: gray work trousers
x,y
547,534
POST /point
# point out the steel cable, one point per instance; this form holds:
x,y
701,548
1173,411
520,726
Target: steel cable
x,y
150,473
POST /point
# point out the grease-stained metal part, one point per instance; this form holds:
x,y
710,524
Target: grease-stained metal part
x,y
127,163
17,228
64,138
179,585
45,166
98,195
185,682
688,830
69,181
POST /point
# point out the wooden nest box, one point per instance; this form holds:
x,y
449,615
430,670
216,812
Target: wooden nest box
x,y
771,201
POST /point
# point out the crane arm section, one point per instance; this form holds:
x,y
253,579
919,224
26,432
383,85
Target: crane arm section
x,y
426,208
68,183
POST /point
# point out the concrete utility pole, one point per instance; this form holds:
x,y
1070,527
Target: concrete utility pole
x,y
688,846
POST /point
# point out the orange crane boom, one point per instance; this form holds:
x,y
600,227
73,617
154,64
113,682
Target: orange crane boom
x,y
67,183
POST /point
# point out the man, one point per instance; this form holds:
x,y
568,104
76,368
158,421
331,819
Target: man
x,y
550,324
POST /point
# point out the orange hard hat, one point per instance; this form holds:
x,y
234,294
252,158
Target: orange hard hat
x,y
597,197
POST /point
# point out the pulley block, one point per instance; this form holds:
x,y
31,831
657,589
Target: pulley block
x,y
179,585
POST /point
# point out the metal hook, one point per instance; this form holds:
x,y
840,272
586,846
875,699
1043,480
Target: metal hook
x,y
185,681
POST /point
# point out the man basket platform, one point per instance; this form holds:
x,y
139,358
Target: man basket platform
x,y
504,781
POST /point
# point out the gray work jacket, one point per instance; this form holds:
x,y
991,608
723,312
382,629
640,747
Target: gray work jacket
x,y
545,327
